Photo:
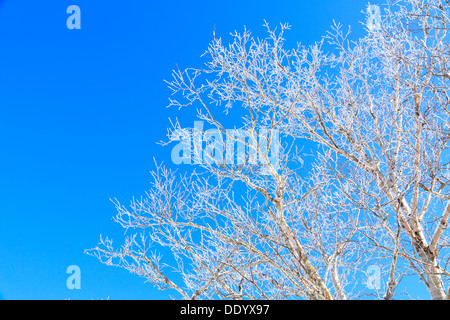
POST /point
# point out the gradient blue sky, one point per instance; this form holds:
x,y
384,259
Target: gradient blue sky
x,y
81,112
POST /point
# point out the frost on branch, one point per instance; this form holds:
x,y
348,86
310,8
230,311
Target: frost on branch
x,y
361,181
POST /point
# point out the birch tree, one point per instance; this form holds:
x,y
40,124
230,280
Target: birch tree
x,y
361,179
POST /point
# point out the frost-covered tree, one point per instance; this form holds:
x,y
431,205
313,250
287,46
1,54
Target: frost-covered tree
x,y
360,181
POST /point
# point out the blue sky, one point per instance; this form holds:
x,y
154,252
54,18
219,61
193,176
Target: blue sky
x,y
81,112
